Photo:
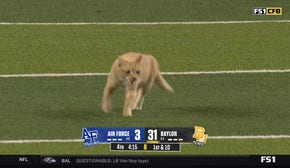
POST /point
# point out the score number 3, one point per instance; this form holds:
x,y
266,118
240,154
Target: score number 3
x,y
137,134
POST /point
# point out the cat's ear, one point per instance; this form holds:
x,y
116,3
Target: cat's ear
x,y
120,61
139,59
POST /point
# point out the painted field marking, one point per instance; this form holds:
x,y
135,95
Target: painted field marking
x,y
250,137
80,140
163,73
40,141
147,23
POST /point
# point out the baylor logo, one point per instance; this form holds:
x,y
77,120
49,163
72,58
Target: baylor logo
x,y
199,135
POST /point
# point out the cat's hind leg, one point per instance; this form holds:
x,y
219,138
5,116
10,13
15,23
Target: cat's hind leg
x,y
141,96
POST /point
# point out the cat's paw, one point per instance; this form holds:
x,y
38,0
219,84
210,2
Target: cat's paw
x,y
137,108
127,114
106,107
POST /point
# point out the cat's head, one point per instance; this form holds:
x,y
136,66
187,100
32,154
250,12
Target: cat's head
x,y
130,70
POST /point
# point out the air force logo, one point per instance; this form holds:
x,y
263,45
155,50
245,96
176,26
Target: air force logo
x,y
90,137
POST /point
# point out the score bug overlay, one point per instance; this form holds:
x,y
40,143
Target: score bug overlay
x,y
144,139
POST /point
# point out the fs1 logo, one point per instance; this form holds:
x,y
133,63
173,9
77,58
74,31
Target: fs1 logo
x,y
268,159
259,11
267,11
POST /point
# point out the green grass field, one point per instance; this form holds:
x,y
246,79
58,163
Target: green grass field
x,y
134,10
92,48
213,147
225,104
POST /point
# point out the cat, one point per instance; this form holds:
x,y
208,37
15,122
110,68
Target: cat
x,y
137,73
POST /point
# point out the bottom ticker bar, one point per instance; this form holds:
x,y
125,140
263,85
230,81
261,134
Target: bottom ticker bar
x,y
273,161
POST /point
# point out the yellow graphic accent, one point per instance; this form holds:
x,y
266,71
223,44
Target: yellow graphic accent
x,y
152,141
274,11
145,146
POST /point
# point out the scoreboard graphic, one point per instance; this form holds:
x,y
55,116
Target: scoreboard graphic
x,y
144,139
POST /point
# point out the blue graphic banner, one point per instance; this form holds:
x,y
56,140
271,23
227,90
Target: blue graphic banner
x,y
93,136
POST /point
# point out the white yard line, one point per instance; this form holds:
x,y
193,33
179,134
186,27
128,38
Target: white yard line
x,y
164,73
250,137
50,75
147,23
39,141
80,140
228,72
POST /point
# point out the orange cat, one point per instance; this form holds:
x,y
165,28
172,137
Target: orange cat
x,y
137,73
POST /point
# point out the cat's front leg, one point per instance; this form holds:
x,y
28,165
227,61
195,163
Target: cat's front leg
x,y
107,97
130,99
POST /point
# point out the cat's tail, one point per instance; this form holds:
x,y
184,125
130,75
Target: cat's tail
x,y
162,84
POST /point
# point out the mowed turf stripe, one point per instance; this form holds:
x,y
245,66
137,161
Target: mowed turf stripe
x,y
164,73
227,146
80,140
146,23
226,104
122,11
178,48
